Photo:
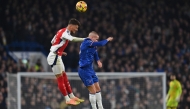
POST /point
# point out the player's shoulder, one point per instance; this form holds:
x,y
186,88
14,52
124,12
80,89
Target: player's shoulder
x,y
178,82
171,82
87,40
62,30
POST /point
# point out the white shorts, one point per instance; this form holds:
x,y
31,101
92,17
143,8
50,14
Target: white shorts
x,y
56,63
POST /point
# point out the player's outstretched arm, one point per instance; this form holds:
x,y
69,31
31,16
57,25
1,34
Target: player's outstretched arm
x,y
77,39
103,42
67,36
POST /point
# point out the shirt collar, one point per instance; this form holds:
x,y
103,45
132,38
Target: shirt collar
x,y
68,31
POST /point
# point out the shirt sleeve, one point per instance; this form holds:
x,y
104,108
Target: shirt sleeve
x,y
170,89
96,57
179,89
66,35
77,39
53,40
99,43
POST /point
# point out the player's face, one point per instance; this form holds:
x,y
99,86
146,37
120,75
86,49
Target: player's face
x,y
95,38
74,28
172,77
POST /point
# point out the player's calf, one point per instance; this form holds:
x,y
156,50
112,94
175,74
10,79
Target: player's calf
x,y
92,99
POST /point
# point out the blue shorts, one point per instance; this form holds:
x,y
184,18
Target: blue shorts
x,y
88,76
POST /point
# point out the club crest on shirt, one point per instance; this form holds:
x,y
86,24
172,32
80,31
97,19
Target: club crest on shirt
x,y
89,81
68,32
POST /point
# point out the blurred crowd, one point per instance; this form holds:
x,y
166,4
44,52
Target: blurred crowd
x,y
149,36
123,93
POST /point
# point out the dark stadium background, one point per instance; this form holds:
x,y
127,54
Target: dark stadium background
x,y
149,36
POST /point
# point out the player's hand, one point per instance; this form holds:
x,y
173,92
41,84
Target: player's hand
x,y
110,38
64,54
99,64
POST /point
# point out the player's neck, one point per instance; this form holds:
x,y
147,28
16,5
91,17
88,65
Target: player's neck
x,y
68,28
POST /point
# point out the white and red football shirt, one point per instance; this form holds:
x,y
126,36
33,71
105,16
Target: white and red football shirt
x,y
60,41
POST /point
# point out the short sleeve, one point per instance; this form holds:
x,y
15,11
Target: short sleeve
x,y
66,35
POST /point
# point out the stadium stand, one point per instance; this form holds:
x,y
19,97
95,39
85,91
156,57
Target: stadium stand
x,y
149,36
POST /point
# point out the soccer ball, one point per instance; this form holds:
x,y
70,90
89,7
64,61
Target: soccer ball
x,y
81,6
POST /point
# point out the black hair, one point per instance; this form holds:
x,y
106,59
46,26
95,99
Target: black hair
x,y
173,74
74,21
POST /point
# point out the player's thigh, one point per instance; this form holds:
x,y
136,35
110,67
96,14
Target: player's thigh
x,y
52,58
94,76
92,89
60,62
57,69
97,86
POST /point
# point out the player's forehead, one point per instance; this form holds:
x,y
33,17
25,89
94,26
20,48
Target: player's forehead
x,y
94,35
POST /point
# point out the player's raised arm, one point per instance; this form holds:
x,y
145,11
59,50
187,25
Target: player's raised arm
x,y
77,39
67,36
94,39
71,38
102,43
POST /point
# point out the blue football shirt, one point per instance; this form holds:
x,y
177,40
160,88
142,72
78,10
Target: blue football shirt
x,y
88,52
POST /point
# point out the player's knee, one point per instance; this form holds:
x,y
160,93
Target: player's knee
x,y
92,89
97,86
98,90
58,75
